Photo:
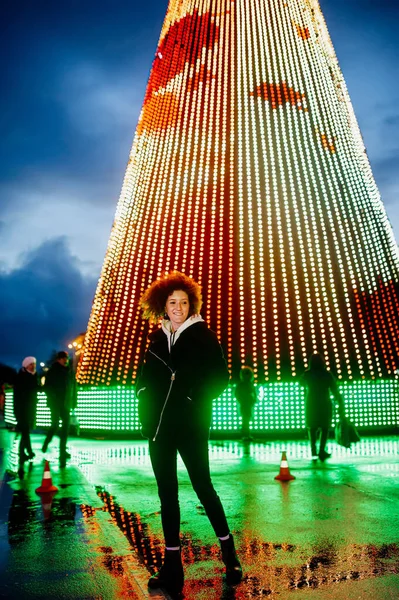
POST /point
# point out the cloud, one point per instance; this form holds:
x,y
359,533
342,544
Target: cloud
x,y
44,303
99,102
81,213
386,169
392,121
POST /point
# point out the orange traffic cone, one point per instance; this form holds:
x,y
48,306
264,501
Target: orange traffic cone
x,y
47,484
284,474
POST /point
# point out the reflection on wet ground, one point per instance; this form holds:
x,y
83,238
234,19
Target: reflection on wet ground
x,y
28,516
269,568
310,534
47,550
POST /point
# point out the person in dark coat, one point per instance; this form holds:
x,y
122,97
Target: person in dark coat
x,y
26,387
59,391
245,394
319,386
183,370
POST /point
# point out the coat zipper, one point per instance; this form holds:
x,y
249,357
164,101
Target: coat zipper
x,y
172,378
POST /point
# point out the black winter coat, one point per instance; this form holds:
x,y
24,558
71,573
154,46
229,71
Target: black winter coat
x,y
176,389
26,387
319,385
59,386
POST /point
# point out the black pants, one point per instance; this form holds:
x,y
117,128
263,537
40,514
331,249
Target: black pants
x,y
246,411
57,413
194,454
25,443
313,435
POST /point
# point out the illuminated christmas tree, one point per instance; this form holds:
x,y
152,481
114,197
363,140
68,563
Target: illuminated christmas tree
x,y
249,173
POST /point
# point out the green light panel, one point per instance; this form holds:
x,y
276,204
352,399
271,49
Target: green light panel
x,y
43,417
112,409
8,409
280,407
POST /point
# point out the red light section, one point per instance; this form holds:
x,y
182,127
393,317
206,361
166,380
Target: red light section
x,y
303,32
279,94
176,50
374,311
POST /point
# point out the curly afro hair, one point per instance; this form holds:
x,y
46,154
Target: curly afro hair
x,y
153,300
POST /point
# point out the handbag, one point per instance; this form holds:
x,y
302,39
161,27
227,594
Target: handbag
x,y
346,433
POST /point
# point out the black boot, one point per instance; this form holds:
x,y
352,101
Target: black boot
x,y
171,575
230,559
323,455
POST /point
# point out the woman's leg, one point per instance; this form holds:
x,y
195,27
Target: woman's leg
x,y
163,456
65,418
196,458
246,417
24,443
55,421
313,440
323,440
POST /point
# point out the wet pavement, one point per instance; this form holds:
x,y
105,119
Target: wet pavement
x,y
333,532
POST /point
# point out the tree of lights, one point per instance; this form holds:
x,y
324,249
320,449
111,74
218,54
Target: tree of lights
x,y
249,173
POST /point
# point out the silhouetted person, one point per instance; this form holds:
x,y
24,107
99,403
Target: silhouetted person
x,y
59,388
245,393
26,387
184,370
319,386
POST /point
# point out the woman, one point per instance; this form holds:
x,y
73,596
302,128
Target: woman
x,y
25,398
320,386
184,369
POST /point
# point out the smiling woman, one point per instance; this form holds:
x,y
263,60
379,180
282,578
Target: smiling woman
x,y
184,369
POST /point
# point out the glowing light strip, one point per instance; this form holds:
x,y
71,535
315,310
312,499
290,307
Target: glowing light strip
x,y
230,64
240,181
249,123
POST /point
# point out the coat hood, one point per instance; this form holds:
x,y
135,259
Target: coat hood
x,y
173,336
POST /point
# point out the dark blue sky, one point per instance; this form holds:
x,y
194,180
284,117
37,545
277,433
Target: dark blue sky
x,y
73,80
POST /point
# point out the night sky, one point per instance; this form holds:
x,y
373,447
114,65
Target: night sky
x,y
73,81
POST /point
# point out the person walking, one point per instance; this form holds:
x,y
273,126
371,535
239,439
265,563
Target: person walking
x,y
183,370
58,387
26,387
319,386
245,393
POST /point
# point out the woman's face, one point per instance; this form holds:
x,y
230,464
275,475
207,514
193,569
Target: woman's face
x,y
177,308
